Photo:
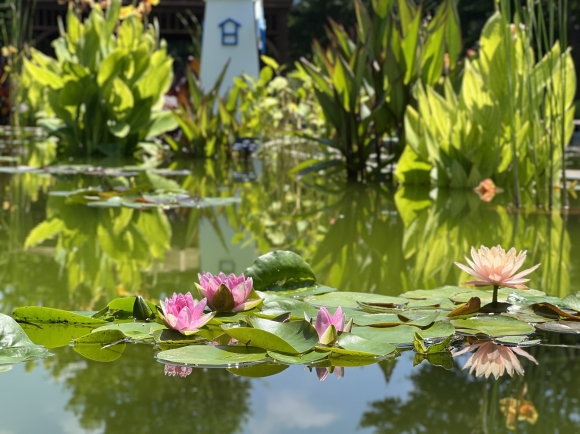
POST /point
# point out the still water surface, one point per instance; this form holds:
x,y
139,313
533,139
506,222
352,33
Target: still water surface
x,y
363,238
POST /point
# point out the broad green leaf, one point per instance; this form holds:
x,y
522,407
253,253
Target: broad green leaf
x,y
494,326
135,330
44,231
404,334
260,370
208,355
280,269
300,359
102,337
422,348
303,292
97,353
292,338
55,335
34,314
274,306
357,346
173,337
351,299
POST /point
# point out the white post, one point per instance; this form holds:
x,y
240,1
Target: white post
x,y
229,33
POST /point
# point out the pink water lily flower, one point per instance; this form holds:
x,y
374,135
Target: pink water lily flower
x,y
328,326
496,267
490,358
184,314
227,293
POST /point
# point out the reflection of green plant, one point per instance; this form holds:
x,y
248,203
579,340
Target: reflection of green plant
x,y
105,89
364,86
103,247
466,136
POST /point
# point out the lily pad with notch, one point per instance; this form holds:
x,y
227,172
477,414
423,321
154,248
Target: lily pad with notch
x,y
209,355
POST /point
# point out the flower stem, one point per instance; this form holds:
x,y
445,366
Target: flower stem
x,y
494,302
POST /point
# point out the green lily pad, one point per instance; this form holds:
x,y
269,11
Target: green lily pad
x,y
520,341
137,331
208,355
440,303
439,347
98,353
280,269
49,315
417,319
572,301
102,337
274,306
260,370
54,335
494,325
349,300
300,359
292,338
442,359
231,317
303,292
439,293
404,334
122,308
560,327
15,346
349,360
356,346
173,337
526,299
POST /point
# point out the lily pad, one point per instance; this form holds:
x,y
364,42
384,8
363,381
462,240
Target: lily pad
x,y
560,327
173,337
15,346
572,301
350,299
404,334
98,353
208,355
274,306
442,359
54,335
102,337
494,326
292,338
356,346
429,294
280,269
137,331
300,359
520,341
49,315
303,292
260,370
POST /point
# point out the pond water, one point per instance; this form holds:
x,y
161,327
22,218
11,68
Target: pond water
x,y
357,238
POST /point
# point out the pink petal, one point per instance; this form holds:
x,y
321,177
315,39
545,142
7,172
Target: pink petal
x,y
183,319
240,293
338,319
322,373
197,311
525,272
323,321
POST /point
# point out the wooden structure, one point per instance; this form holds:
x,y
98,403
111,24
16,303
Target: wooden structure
x,y
275,11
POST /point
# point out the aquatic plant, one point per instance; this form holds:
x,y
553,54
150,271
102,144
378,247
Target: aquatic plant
x,y
105,88
364,85
489,358
328,326
184,314
227,293
497,268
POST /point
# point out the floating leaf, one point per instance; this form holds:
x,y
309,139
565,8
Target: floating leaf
x,y
260,370
560,327
54,335
404,334
137,331
428,294
280,269
551,311
300,359
572,301
292,338
443,359
208,355
49,315
304,292
494,326
274,306
470,307
15,346
422,348
173,337
97,353
356,346
351,299
102,337
230,317
520,341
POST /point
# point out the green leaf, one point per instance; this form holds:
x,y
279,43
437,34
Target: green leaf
x,y
97,353
54,335
303,292
494,326
173,337
260,370
300,359
102,337
208,355
292,338
137,331
351,299
280,269
357,346
49,315
421,348
162,122
44,231
274,306
404,334
15,346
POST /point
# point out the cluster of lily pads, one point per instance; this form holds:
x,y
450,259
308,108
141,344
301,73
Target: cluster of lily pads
x,y
276,315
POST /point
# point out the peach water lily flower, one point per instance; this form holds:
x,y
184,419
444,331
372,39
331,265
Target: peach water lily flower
x,y
490,358
182,313
227,293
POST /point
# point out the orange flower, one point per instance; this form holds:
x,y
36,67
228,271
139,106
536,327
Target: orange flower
x,y
496,267
486,190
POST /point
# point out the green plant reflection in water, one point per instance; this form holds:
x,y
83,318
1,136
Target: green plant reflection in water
x,y
135,395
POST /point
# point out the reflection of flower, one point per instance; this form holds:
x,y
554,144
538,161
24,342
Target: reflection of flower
x,y
184,314
173,370
326,333
486,190
323,372
496,267
239,287
490,358
518,409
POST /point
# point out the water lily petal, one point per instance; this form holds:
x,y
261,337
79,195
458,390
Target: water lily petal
x,y
323,321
